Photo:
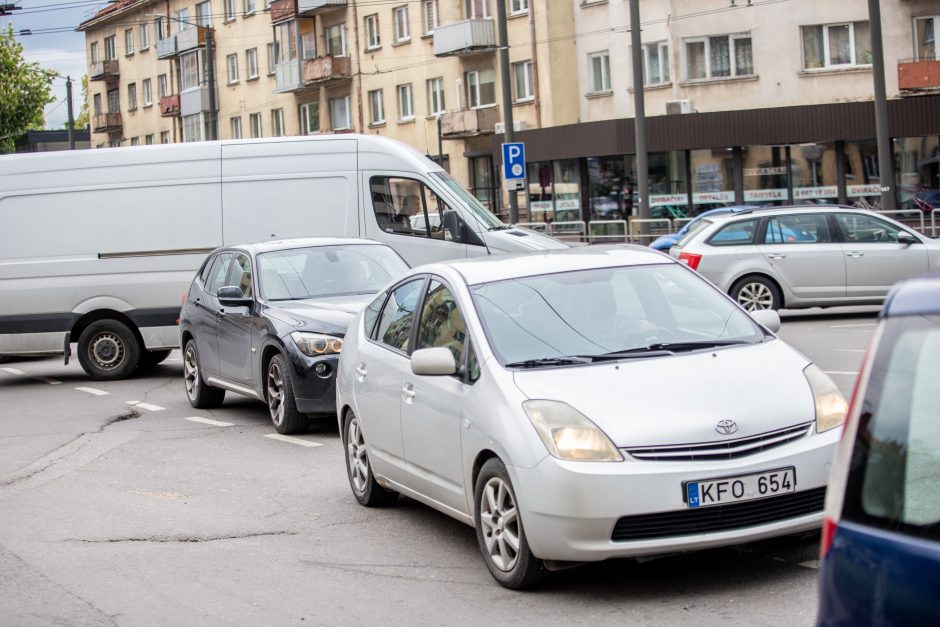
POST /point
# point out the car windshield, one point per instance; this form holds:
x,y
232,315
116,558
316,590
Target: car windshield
x,y
324,271
694,228
481,213
607,313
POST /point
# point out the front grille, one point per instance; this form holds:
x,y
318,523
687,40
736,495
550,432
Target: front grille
x,y
727,449
689,522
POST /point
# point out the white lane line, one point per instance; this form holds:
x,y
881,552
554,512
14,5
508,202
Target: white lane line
x,y
292,440
849,326
814,564
13,371
146,406
49,381
94,391
851,350
852,374
210,421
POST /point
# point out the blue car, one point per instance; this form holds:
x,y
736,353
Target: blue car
x,y
881,534
666,242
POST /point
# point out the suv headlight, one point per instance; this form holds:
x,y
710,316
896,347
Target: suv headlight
x,y
830,404
568,434
317,344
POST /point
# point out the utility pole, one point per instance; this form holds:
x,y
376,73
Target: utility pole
x,y
639,120
68,103
213,131
507,95
885,162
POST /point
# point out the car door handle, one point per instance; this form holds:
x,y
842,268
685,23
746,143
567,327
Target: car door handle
x,y
776,256
854,254
220,313
361,373
408,393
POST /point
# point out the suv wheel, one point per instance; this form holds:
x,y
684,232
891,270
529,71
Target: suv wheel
x,y
282,405
200,394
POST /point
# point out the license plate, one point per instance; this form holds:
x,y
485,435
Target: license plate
x,y
741,488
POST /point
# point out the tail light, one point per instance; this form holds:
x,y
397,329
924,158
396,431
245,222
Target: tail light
x,y
183,299
828,533
690,259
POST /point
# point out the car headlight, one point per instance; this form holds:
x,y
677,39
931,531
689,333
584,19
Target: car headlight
x,y
830,404
568,434
317,344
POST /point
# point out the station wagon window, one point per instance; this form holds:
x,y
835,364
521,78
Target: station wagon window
x,y
397,319
408,207
442,324
735,233
798,229
241,275
219,271
858,228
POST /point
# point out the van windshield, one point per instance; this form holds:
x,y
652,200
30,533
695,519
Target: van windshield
x,y
489,221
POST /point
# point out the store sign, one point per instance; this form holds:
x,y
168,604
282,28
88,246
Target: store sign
x,y
855,191
758,195
567,205
541,205
658,200
701,198
782,169
804,193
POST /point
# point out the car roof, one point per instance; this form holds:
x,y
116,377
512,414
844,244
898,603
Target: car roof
x,y
777,210
255,248
914,297
501,267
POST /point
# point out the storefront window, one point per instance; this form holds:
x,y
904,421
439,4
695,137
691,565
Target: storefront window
x,y
541,192
554,191
611,189
862,175
668,185
917,160
765,175
813,171
712,179
567,190
481,180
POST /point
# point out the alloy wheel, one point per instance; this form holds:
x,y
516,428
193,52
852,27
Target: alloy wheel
x,y
191,372
754,296
276,393
356,454
499,518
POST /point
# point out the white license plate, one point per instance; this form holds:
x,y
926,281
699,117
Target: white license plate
x,y
740,488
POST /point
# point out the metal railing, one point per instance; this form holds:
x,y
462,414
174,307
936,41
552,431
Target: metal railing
x,y
610,231
636,228
572,231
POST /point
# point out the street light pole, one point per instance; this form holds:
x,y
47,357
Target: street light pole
x,y
639,119
885,166
507,95
68,98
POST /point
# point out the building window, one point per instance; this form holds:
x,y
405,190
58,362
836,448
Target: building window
x,y
339,113
251,61
161,86
436,96
182,20
336,40
236,125
164,137
599,63
229,9
723,56
135,141
836,45
481,88
254,121
110,49
131,96
204,14
231,62
429,16
96,104
161,26
277,122
249,7
373,39
376,107
189,70
308,44
272,57
925,37
656,63
148,139
310,118
522,81
114,101
477,9
518,6
406,106
402,31
192,127
94,52
129,41
148,92
144,38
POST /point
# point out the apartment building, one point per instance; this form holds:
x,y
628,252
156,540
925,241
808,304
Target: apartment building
x,y
761,102
423,72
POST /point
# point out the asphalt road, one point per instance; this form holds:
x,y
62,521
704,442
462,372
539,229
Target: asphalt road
x,y
118,508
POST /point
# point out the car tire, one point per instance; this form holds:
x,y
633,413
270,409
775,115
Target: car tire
x,y
149,359
501,537
200,394
756,292
108,350
279,393
358,468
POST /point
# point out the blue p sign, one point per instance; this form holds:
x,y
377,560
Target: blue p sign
x,y
514,161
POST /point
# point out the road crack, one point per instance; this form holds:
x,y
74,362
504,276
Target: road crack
x,y
183,539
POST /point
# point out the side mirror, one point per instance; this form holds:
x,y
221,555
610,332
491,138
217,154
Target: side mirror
x,y
767,318
231,296
433,361
906,238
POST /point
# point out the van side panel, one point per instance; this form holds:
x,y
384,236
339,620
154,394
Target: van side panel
x,y
280,190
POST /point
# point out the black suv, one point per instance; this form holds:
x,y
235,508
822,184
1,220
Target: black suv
x,y
267,320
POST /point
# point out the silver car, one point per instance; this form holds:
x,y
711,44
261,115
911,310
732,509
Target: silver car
x,y
810,256
595,403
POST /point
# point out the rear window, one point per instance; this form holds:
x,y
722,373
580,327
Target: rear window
x,y
736,233
894,480
694,229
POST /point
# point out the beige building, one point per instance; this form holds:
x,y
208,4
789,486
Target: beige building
x,y
312,66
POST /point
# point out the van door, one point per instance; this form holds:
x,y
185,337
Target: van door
x,y
399,209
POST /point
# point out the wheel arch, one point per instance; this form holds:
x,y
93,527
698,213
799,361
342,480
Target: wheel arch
x,y
482,457
85,320
763,275
267,354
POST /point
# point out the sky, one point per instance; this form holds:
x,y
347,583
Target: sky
x,y
62,51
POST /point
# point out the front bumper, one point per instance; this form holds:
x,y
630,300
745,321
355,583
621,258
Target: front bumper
x,y
313,393
569,509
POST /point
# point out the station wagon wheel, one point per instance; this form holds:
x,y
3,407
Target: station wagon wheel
x,y
200,395
279,392
756,292
500,532
108,350
364,486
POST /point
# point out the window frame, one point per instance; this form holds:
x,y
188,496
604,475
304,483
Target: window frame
x,y
348,113
272,51
604,56
433,14
277,123
470,9
110,48
251,64
422,279
144,37
249,8
436,96
916,37
401,27
373,34
327,36
228,11
825,49
146,87
132,96
376,107
231,68
732,56
235,126
518,7
405,88
477,88
304,108
162,86
662,49
527,76
94,52
256,125
204,14
128,42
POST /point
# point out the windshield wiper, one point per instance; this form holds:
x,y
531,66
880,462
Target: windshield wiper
x,y
667,348
550,361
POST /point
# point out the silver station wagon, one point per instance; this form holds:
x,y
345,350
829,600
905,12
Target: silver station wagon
x,y
809,256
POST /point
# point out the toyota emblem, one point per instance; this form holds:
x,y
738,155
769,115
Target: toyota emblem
x,y
726,427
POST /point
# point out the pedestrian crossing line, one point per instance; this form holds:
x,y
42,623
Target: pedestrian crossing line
x,y
93,391
47,380
210,421
292,440
15,371
146,406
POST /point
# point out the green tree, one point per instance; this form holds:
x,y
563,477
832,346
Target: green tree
x,y
25,90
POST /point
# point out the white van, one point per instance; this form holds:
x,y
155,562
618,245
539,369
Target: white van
x,y
97,246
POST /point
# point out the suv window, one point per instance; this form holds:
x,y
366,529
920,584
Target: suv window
x,y
397,317
218,273
859,228
441,323
407,207
207,269
736,233
895,465
798,229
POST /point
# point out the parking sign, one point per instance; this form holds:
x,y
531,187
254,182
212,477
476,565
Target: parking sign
x,y
514,162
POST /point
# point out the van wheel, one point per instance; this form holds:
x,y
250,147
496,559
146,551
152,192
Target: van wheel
x,y
108,350
279,391
151,358
200,395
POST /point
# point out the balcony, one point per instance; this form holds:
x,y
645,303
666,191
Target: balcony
x,y
287,77
466,37
196,101
469,122
325,69
286,9
106,122
170,106
189,39
166,48
918,76
104,70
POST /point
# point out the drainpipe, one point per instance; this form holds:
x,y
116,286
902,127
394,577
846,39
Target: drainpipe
x,y
535,67
357,82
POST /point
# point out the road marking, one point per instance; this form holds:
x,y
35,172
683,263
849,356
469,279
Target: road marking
x,y
146,406
13,371
852,374
94,391
292,440
210,421
49,381
851,350
849,326
814,564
